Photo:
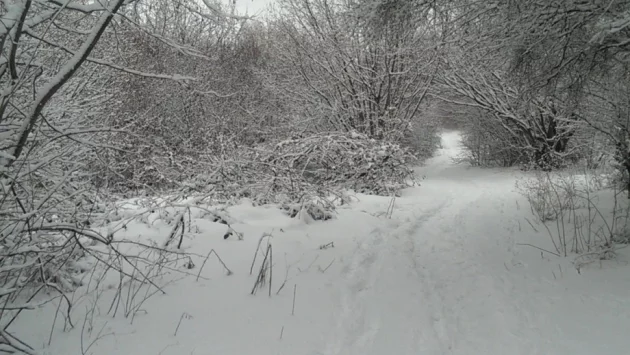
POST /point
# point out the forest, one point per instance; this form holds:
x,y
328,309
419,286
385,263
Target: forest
x,y
188,104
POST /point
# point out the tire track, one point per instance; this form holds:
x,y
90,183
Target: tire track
x,y
353,333
378,311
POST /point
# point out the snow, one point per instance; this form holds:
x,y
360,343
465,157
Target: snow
x,y
446,274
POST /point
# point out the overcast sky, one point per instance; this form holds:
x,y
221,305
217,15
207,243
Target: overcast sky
x,y
253,6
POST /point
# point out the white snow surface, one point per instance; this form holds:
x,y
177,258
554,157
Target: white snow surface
x,y
444,275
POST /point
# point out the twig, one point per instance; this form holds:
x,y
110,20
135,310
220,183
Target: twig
x,y
179,222
184,315
16,343
270,267
98,337
251,269
530,224
54,321
390,208
166,348
294,293
541,249
261,274
181,236
327,267
326,246
286,274
229,272
310,265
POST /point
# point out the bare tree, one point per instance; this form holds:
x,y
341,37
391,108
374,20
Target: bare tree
x,y
356,73
530,66
56,76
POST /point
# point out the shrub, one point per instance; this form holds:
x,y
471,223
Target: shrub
x,y
588,216
301,170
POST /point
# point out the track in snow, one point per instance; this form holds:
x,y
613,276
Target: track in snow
x,y
431,285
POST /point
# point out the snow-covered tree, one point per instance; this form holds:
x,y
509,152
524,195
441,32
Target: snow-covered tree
x,y
59,74
532,65
356,66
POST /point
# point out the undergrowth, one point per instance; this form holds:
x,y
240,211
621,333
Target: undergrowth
x,y
581,212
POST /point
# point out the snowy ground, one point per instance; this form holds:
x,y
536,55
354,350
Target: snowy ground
x,y
443,275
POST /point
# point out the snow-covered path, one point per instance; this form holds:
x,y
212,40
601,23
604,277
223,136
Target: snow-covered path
x,y
430,285
446,280
443,276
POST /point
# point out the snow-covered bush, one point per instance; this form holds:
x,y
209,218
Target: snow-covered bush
x,y
302,170
549,195
351,161
579,210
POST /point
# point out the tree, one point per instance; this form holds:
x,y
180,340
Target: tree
x,y
56,76
357,73
530,65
